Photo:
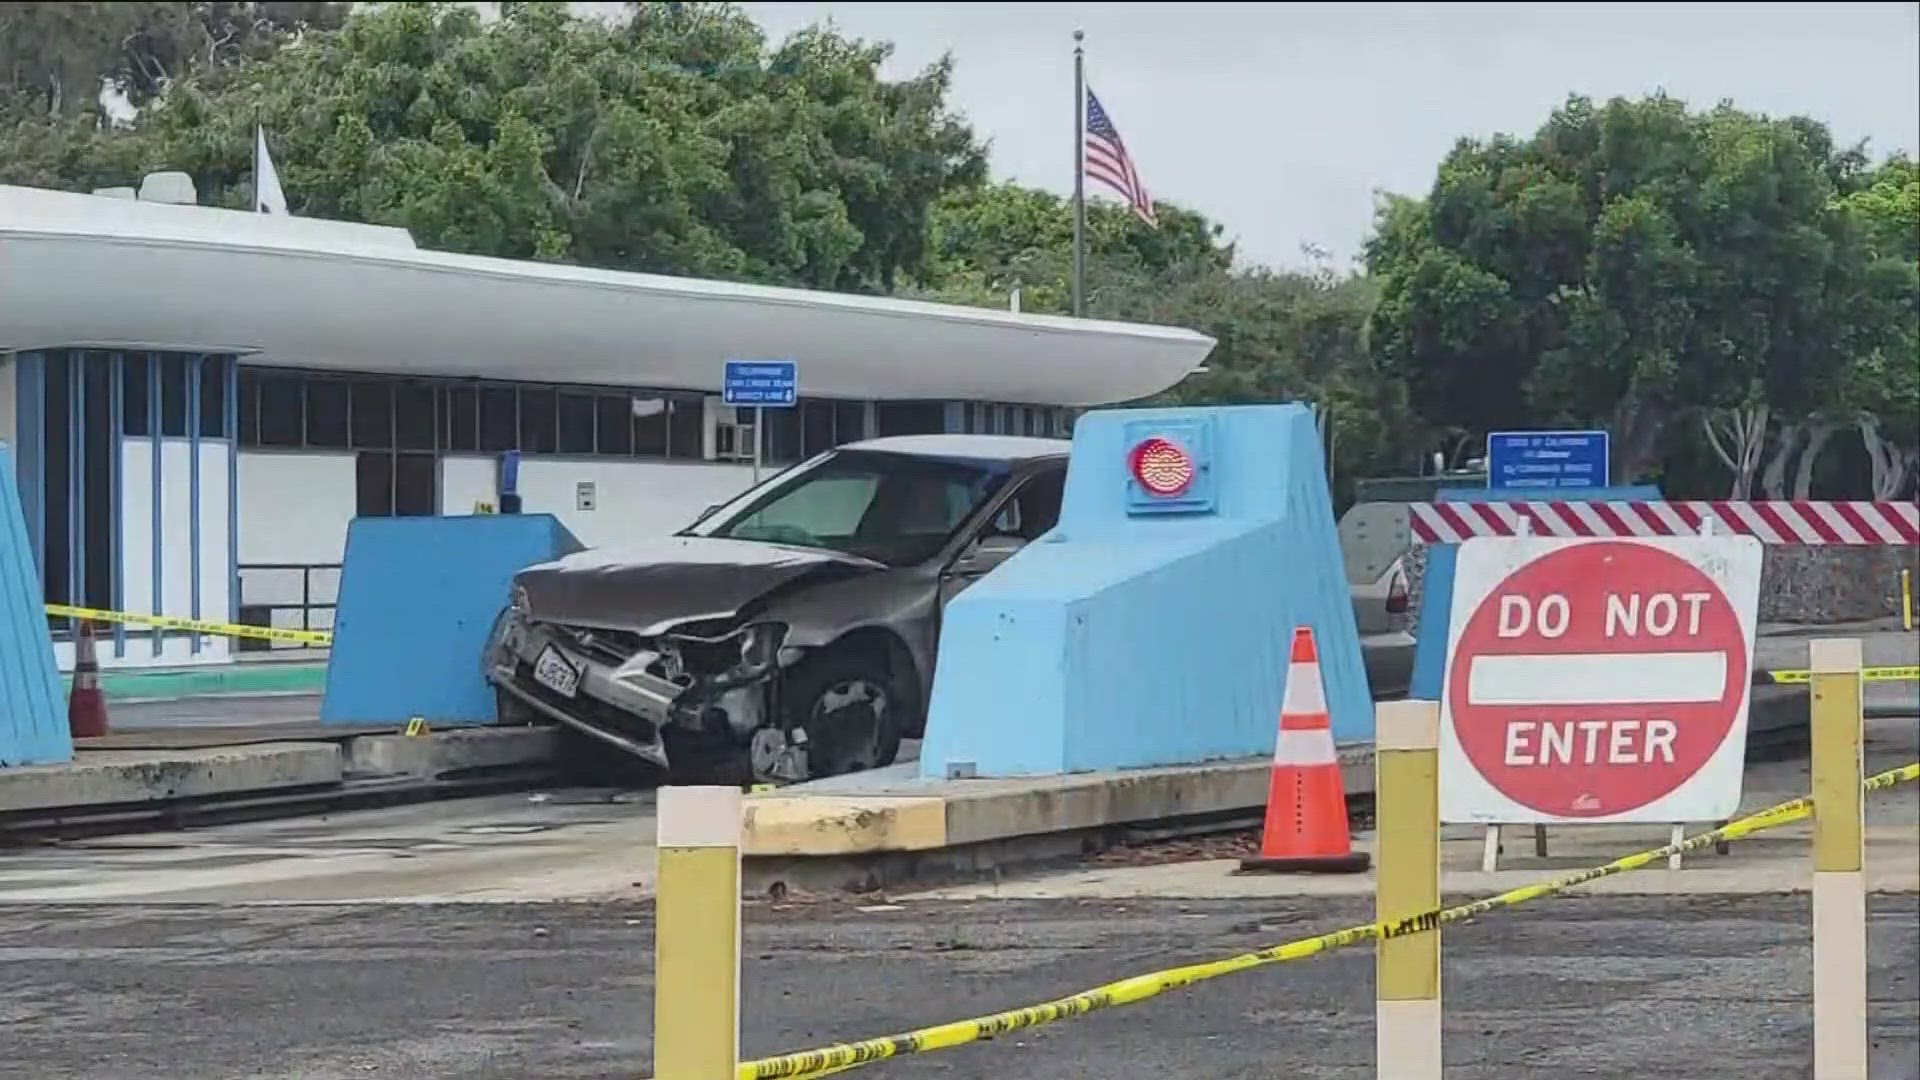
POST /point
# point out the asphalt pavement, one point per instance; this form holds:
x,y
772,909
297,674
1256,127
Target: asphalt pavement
x,y
1626,988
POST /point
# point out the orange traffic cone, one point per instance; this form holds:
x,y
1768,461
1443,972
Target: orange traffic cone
x,y
86,705
1306,826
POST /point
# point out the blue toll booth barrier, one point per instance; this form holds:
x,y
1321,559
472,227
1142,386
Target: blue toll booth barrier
x,y
1436,590
418,597
33,718
1152,625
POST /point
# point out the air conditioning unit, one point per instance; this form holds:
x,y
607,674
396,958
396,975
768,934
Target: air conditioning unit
x,y
733,439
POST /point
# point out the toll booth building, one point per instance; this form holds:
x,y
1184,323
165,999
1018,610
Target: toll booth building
x,y
198,401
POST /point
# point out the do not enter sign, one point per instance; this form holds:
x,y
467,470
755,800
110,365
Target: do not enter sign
x,y
1598,680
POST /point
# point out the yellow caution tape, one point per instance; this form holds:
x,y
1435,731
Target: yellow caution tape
x,y
1872,674
836,1059
198,626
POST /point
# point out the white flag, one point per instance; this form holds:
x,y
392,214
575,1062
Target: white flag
x,y
267,196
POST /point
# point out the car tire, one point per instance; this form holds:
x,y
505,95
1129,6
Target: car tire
x,y
850,706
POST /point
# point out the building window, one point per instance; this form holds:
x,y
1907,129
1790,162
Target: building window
x,y
576,424
780,441
283,406
135,395
415,419
173,395
910,418
849,422
538,433
328,402
686,429
499,420
613,422
371,414
463,419
213,396
330,411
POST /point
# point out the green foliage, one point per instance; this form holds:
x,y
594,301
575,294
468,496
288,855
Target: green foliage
x,y
1884,378
1628,264
1282,336
56,56
675,140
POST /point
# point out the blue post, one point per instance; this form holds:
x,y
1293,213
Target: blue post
x,y
33,725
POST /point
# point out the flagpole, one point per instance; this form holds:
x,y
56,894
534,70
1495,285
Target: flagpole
x,y
1079,174
256,159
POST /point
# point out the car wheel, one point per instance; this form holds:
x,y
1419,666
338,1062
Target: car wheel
x,y
848,705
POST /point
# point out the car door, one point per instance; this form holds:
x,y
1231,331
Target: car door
x,y
1028,513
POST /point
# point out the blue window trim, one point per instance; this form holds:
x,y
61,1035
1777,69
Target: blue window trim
x,y
154,443
114,466
231,428
76,458
193,363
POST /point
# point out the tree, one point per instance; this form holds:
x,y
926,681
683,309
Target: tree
x,y
1883,382
57,57
1629,265
1282,336
989,241
674,140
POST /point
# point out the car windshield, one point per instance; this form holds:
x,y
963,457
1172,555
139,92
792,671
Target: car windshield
x,y
896,509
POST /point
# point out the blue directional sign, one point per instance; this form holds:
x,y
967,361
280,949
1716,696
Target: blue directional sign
x,y
1547,459
767,383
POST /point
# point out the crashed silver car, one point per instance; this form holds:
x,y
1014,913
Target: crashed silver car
x,y
788,634
792,632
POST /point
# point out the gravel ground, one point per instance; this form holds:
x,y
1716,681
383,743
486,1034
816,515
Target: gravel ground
x,y
1654,989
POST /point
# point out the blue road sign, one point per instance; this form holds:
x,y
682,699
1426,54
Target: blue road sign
x,y
1547,459
767,383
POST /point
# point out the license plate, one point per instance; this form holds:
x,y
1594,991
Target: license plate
x,y
556,673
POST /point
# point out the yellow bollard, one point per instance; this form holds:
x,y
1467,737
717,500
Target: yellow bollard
x,y
696,935
1407,809
1906,600
1839,853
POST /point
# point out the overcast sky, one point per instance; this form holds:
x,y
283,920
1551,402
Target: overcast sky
x,y
1282,120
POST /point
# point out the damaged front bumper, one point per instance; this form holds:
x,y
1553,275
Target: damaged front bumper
x,y
629,691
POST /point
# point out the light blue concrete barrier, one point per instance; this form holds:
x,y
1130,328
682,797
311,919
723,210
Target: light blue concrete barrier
x,y
1436,589
1151,629
33,718
418,597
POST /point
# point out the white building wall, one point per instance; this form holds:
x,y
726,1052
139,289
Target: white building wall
x,y
632,499
295,507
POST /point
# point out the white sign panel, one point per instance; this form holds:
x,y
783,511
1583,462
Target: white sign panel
x,y
1598,680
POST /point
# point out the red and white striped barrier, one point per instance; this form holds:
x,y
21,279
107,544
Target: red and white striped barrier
x,y
1858,523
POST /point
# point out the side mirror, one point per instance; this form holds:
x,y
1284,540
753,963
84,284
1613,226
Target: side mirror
x,y
988,552
707,513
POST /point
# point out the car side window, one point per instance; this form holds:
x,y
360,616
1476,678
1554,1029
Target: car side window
x,y
1035,508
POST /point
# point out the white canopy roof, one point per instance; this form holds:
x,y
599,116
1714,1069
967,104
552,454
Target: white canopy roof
x,y
89,270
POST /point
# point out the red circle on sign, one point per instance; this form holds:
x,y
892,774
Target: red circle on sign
x,y
1597,679
1161,466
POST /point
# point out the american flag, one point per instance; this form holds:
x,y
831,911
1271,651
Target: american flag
x,y
1107,160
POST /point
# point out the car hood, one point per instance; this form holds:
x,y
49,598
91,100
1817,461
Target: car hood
x,y
650,586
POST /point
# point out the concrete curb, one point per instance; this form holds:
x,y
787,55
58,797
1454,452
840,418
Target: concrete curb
x,y
113,777
451,751
137,777
855,833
